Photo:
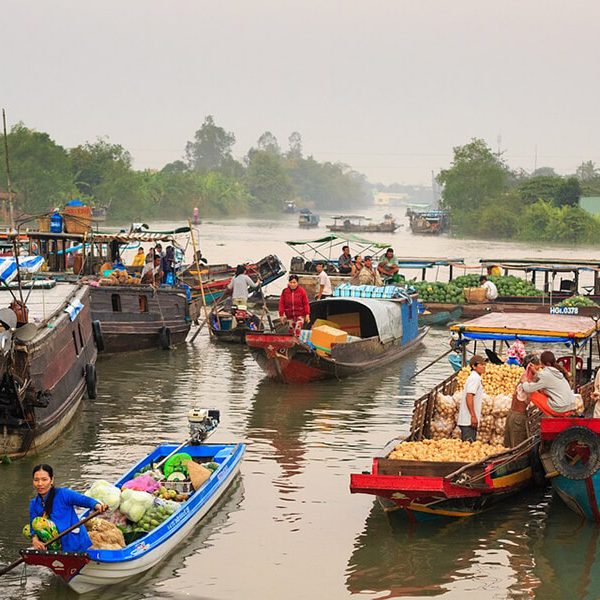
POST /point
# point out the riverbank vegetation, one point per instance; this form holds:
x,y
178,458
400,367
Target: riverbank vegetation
x,y
46,175
488,200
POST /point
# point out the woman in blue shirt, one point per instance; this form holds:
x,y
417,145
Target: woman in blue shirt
x,y
57,504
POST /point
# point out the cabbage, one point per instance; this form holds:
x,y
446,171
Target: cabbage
x,y
106,493
134,504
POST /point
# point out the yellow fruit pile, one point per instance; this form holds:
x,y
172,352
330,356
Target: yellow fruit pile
x,y
446,450
497,379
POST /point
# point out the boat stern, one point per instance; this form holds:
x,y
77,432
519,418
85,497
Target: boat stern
x,y
64,564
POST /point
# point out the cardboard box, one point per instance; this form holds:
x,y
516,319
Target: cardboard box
x,y
475,294
348,322
324,336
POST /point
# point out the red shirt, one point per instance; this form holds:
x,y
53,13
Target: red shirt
x,y
293,303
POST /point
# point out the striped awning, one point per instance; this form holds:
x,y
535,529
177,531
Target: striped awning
x,y
8,266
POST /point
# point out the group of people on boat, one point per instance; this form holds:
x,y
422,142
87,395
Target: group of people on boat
x,y
544,383
363,272
158,266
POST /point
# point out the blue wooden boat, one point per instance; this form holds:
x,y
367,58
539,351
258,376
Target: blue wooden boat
x,y
86,571
570,453
442,317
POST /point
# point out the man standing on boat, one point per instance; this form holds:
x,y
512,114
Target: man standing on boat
x,y
469,411
323,283
345,261
368,275
491,291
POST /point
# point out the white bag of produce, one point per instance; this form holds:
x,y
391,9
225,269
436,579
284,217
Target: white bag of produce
x,y
134,504
106,493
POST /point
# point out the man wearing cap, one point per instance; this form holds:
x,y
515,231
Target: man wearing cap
x,y
368,275
469,411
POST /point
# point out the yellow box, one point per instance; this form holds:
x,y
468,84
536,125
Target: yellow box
x,y
348,322
323,337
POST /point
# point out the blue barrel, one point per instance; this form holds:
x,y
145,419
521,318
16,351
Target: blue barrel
x,y
56,223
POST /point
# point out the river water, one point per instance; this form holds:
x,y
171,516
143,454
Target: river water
x,y
289,528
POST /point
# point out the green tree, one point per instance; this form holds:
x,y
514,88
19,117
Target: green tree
x,y
40,170
569,193
267,180
267,142
211,147
587,171
476,177
545,187
295,145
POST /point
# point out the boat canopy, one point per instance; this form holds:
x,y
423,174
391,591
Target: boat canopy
x,y
325,245
530,327
351,217
8,266
378,318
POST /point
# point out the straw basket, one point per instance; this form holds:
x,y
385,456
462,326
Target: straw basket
x,y
475,294
78,219
44,224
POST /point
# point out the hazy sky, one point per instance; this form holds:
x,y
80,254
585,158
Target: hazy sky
x,y
386,86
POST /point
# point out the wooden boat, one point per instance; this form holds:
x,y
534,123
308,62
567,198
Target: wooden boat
x,y
361,224
308,219
442,317
46,365
423,490
93,569
382,331
231,325
429,222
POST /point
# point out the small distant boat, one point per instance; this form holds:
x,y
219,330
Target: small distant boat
x,y
93,569
308,219
379,332
361,224
442,317
289,207
430,222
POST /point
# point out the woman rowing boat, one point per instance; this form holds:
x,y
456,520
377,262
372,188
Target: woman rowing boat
x,y
52,511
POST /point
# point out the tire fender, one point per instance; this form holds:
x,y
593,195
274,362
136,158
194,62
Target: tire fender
x,y
164,338
91,381
98,337
575,452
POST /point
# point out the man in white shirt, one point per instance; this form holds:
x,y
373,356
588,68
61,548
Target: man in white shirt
x,y
469,411
491,291
323,283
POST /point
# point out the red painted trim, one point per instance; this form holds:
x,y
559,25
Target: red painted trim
x,y
551,427
589,486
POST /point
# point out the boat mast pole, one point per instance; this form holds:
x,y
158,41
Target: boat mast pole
x,y
8,178
199,275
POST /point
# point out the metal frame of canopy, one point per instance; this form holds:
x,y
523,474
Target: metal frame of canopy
x,y
318,244
572,331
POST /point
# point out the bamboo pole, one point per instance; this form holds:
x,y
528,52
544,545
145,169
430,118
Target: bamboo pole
x,y
199,274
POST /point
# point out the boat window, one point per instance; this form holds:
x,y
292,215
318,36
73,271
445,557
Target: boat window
x,y
176,308
80,334
75,343
143,300
116,302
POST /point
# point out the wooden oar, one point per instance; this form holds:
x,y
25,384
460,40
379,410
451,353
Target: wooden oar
x,y
430,364
16,563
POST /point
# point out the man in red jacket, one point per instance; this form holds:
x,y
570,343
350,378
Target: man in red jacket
x,y
293,304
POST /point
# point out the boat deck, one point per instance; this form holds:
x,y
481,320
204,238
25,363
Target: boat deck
x,y
42,303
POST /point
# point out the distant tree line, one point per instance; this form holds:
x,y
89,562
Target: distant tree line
x,y
486,199
46,175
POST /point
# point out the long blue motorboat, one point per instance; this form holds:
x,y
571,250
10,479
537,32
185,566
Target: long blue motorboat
x,y
93,569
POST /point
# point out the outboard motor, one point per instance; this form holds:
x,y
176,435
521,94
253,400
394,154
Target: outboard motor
x,y
202,423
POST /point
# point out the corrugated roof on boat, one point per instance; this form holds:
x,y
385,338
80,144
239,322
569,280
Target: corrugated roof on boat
x,y
387,314
530,324
340,237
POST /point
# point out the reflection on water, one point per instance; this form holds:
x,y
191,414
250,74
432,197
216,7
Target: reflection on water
x,y
293,530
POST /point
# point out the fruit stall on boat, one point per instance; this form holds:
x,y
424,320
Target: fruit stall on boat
x,y
347,337
361,224
170,491
47,358
409,474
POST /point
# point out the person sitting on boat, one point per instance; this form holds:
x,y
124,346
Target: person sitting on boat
x,y
356,268
494,270
515,431
139,260
151,272
56,507
388,265
491,291
240,286
469,411
293,304
515,354
345,261
551,391
323,283
368,275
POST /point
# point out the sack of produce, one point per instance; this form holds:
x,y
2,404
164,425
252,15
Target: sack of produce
x,y
142,483
449,450
496,379
156,514
134,504
105,535
116,517
199,475
106,493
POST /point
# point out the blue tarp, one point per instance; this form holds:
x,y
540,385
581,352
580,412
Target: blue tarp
x,y
524,338
8,266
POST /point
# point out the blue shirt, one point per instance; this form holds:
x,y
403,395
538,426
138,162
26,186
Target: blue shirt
x,y
64,515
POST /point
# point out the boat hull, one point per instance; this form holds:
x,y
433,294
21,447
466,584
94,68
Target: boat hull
x,y
285,359
137,317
